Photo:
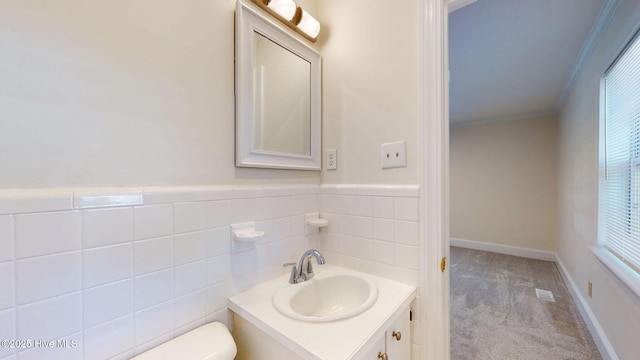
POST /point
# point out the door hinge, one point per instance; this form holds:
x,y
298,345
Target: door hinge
x,y
443,264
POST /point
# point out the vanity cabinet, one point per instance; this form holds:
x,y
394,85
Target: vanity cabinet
x,y
263,332
393,344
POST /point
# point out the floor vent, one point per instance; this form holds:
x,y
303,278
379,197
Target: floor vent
x,y
545,295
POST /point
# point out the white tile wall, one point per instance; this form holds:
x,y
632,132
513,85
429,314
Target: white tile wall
x,y
190,277
192,246
50,319
383,207
190,307
6,238
107,302
218,269
107,227
152,221
121,278
153,322
47,276
55,352
7,330
406,208
152,255
7,279
218,213
109,339
107,264
375,229
47,233
152,289
190,216
406,232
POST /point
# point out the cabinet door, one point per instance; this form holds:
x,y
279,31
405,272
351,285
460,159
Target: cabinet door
x,y
373,348
398,338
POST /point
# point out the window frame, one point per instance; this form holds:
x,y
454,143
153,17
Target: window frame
x,y
629,275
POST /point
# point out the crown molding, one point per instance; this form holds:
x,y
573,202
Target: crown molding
x,y
599,26
527,116
453,5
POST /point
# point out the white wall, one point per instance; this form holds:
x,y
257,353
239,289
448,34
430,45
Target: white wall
x,y
370,87
120,93
503,183
615,307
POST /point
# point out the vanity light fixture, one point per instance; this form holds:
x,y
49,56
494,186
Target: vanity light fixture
x,y
285,8
293,16
307,23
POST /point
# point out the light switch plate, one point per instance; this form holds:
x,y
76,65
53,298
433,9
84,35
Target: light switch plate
x,y
393,155
332,159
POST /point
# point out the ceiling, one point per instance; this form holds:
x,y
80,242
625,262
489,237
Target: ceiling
x,y
512,59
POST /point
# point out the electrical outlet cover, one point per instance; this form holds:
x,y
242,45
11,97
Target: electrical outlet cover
x,y
332,159
393,155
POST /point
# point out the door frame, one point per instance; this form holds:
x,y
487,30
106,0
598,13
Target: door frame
x,y
434,178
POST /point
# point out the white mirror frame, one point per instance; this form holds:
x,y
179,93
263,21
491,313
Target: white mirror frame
x,y
248,21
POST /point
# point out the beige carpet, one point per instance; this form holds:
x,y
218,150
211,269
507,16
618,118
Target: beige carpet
x,y
495,313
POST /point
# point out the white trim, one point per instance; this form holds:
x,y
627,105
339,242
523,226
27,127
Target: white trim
x,y
602,21
504,249
598,334
628,277
35,200
371,190
22,201
453,5
503,119
434,179
106,198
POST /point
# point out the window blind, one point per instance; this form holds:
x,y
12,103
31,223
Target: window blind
x,y
620,188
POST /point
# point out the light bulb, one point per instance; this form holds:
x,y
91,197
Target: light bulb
x,y
309,25
284,8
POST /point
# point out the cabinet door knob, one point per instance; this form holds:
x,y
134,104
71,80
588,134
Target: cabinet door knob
x,y
382,356
396,335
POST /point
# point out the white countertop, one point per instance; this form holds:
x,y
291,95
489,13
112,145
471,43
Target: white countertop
x,y
339,339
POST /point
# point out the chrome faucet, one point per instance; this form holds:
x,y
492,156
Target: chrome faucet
x,y
304,270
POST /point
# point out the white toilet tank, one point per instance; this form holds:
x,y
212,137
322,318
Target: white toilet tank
x,y
208,342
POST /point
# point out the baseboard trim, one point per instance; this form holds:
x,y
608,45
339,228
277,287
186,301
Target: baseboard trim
x,y
504,249
598,334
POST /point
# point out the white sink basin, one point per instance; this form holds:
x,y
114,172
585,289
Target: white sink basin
x,y
326,298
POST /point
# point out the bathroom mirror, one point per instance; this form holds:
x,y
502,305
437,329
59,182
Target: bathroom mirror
x,y
277,95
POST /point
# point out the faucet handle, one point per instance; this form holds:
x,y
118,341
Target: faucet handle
x,y
309,269
294,272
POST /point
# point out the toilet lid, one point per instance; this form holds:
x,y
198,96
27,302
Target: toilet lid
x,y
208,342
